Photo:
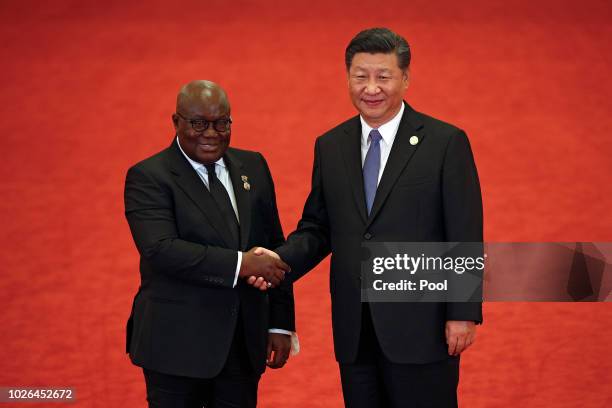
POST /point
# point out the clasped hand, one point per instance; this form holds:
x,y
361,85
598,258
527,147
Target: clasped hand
x,y
263,268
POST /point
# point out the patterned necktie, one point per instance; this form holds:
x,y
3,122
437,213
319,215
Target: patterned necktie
x,y
222,199
371,168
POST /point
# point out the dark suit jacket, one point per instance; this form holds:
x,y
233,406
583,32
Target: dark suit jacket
x,y
428,193
185,312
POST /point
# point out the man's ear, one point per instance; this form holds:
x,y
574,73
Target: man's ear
x,y
175,120
406,79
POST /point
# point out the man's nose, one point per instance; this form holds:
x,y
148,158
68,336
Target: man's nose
x,y
210,131
372,87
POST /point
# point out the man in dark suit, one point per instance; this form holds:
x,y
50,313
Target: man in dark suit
x,y
200,332
389,174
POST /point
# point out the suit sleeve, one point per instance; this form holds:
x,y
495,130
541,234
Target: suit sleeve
x,y
310,242
149,210
282,305
463,218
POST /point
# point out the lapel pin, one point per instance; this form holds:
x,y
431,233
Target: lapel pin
x,y
245,180
414,140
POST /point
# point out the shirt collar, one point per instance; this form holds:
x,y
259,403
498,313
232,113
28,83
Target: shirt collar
x,y
387,131
197,166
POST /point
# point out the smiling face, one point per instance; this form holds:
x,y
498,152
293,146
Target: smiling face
x,y
377,86
202,100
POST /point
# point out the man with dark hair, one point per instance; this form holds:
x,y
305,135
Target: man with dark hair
x,y
389,174
200,332
379,40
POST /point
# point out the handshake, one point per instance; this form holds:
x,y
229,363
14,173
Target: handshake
x,y
262,268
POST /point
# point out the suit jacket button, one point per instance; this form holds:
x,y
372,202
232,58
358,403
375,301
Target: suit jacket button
x,y
367,235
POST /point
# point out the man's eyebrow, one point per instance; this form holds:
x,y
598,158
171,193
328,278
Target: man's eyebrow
x,y
200,117
374,68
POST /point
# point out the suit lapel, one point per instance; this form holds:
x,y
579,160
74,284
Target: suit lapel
x,y
400,155
189,181
351,152
243,196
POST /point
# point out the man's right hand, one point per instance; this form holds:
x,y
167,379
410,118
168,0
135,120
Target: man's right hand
x,y
263,266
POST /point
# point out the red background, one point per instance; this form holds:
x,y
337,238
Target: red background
x,y
88,89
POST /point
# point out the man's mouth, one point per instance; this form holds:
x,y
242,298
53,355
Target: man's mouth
x,y
373,102
208,147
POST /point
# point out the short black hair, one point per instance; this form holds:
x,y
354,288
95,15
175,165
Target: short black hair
x,y
379,40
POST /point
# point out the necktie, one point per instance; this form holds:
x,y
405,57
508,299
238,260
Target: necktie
x,y
371,168
224,204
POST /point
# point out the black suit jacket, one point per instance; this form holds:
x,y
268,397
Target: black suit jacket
x,y
429,192
185,312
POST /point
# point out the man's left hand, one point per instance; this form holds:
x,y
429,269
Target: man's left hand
x,y
279,346
459,336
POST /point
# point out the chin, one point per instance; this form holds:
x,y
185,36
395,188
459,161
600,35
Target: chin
x,y
205,159
374,112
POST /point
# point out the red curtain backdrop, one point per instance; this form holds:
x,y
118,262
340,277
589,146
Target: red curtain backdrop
x,y
88,89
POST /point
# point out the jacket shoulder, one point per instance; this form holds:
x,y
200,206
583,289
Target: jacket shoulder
x,y
436,125
154,162
244,154
349,125
250,158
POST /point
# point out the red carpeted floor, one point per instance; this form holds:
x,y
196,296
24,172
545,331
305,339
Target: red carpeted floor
x,y
88,89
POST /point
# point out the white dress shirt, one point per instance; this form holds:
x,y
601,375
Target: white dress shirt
x,y
388,131
223,175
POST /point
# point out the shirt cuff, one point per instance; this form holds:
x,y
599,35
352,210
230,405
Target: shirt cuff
x,y
238,265
295,341
280,331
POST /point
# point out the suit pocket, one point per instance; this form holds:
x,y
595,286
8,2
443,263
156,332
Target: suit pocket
x,y
157,299
176,331
415,181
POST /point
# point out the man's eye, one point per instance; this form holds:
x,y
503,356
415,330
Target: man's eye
x,y
197,122
384,78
